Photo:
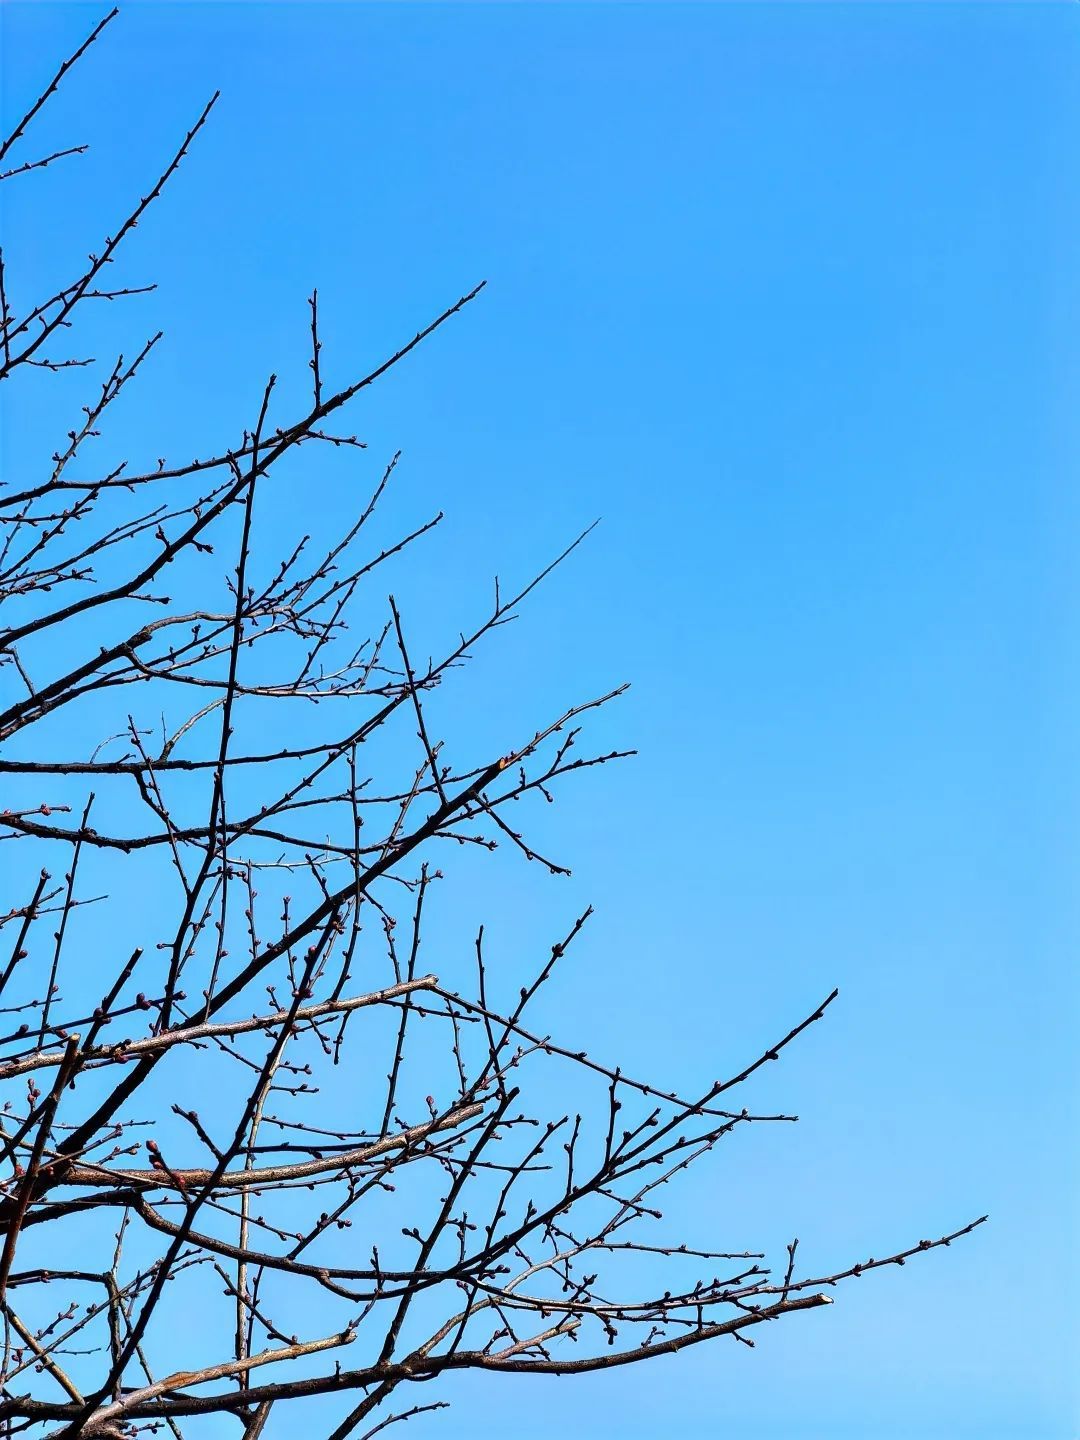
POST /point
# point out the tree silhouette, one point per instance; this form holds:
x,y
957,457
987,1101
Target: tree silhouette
x,y
283,859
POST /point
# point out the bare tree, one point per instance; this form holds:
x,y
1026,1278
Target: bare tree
x,y
447,1225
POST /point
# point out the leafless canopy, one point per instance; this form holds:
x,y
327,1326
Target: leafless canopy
x,y
445,1223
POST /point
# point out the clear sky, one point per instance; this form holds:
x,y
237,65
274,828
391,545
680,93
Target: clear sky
x,y
787,294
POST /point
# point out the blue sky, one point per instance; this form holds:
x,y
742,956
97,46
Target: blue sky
x,y
787,294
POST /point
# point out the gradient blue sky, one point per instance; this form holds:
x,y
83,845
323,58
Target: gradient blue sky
x,y
788,294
